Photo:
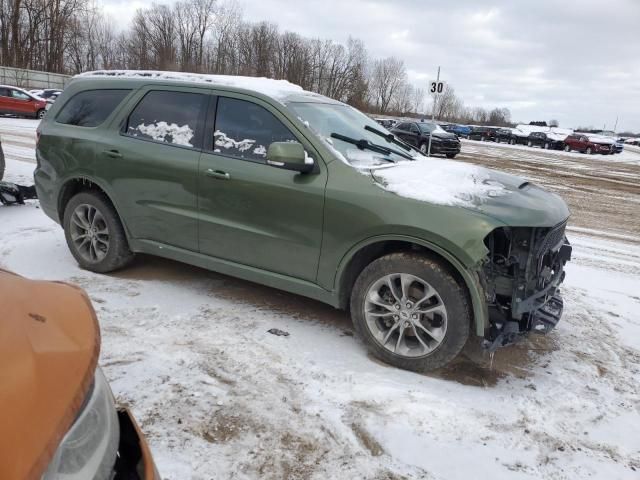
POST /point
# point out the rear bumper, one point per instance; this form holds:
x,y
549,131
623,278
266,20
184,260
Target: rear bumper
x,y
134,461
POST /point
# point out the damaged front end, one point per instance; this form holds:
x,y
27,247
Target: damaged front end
x,y
522,273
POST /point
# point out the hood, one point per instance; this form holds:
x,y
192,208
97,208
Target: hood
x,y
506,198
445,135
49,345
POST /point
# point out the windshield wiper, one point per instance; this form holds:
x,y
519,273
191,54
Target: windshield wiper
x,y
389,137
364,144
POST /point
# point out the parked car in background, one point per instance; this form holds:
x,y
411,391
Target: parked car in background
x,y
484,134
505,135
305,194
548,141
458,130
588,144
618,146
387,123
59,419
417,134
48,93
16,101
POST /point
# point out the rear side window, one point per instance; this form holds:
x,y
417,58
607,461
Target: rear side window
x,y
164,116
245,130
91,107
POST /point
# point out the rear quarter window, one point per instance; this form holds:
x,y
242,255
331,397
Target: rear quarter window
x,y
91,107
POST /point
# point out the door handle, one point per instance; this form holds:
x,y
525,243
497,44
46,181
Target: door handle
x,y
112,153
220,175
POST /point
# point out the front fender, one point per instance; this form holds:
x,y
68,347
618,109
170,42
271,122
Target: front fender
x,y
470,275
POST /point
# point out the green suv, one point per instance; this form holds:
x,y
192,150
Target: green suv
x,y
262,180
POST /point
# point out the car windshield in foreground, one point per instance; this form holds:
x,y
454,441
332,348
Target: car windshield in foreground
x,y
359,145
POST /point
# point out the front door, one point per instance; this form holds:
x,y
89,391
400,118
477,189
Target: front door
x,y
151,164
252,213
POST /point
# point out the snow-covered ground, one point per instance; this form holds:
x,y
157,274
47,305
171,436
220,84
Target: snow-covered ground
x,y
219,397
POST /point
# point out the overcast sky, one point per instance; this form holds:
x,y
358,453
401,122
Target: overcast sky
x,y
577,61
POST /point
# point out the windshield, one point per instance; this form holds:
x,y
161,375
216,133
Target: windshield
x,y
430,127
327,118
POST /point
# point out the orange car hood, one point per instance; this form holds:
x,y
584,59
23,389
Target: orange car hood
x,y
49,345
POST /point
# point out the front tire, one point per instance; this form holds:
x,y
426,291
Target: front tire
x,y
451,155
410,312
40,114
589,151
567,148
95,236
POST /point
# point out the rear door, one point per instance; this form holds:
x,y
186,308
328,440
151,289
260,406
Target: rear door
x,y
150,160
5,100
252,213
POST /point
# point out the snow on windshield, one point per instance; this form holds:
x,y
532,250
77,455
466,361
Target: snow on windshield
x,y
166,132
274,88
442,182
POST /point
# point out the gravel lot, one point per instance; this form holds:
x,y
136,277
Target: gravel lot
x,y
219,397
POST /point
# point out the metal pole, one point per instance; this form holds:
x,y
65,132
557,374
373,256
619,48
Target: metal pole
x,y
615,127
433,110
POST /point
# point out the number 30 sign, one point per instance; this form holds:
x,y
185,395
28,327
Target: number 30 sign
x,y
436,87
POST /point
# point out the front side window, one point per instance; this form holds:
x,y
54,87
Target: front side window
x,y
245,130
403,126
168,117
91,107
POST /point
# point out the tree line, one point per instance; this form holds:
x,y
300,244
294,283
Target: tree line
x,y
207,36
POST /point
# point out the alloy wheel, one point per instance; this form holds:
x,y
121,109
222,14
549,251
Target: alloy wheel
x,y
405,315
89,233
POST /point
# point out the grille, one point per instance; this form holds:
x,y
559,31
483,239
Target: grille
x,y
552,239
551,242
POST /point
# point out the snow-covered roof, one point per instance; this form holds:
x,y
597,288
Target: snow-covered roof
x,y
277,89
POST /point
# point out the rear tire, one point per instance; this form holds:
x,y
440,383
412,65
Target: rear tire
x,y
512,142
451,155
40,114
546,146
529,144
95,236
420,325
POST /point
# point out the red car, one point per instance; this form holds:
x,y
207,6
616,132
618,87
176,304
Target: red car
x,y
16,101
584,144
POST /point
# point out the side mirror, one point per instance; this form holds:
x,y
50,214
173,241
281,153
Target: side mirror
x,y
289,156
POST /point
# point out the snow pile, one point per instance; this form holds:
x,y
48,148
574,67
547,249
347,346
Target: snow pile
x,y
167,132
557,136
601,139
441,182
260,150
226,142
274,88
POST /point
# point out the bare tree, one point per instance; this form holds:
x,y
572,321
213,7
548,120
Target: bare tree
x,y
388,76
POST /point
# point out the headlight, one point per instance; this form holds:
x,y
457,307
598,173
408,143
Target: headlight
x,y
89,448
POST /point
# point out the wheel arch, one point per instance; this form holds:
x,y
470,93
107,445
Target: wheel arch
x,y
369,250
78,184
